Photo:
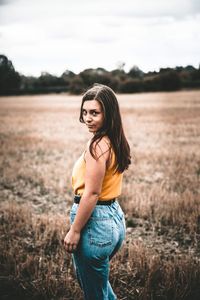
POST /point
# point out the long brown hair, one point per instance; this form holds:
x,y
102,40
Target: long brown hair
x,y
112,127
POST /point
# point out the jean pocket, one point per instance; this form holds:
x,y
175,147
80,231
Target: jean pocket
x,y
72,217
100,231
73,212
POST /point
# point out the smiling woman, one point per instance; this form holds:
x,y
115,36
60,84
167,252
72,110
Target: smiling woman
x,y
97,220
93,115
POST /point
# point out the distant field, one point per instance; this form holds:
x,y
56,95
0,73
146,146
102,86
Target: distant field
x,y
41,137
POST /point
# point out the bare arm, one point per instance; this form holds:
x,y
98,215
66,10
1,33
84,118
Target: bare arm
x,y
94,175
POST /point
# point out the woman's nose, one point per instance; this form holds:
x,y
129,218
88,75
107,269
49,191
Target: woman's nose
x,y
88,118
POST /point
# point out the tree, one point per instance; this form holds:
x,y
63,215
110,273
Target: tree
x,y
135,72
121,65
91,76
9,79
76,85
169,80
130,86
68,74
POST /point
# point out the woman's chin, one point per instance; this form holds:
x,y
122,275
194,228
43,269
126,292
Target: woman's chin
x,y
91,129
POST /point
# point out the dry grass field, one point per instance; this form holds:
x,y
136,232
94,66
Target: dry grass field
x,y
41,138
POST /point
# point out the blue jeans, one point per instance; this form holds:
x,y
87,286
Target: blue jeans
x,y
101,238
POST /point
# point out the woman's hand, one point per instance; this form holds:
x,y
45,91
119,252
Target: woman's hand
x,y
71,240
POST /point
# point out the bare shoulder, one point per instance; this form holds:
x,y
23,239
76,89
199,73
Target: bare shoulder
x,y
101,147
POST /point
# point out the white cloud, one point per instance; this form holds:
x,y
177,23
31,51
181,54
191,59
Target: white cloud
x,y
75,34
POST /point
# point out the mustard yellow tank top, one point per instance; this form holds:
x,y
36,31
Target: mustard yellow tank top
x,y
112,183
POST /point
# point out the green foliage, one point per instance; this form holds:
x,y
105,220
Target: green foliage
x,y
9,78
169,80
76,85
135,72
130,86
134,81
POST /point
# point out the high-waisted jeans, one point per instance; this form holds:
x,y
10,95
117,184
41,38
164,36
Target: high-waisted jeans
x,y
101,238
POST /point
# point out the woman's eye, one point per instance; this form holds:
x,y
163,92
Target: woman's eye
x,y
93,113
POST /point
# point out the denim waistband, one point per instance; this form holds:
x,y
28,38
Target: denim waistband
x,y
77,199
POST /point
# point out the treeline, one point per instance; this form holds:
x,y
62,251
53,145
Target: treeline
x,y
134,81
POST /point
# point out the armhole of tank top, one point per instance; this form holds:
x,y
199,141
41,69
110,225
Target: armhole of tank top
x,y
109,163
110,155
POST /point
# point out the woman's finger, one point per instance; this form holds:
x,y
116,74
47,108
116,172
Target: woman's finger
x,y
74,247
70,247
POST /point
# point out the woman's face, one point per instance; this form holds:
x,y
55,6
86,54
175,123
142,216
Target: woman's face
x,y
93,115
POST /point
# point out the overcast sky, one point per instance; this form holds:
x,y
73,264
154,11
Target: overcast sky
x,y
52,36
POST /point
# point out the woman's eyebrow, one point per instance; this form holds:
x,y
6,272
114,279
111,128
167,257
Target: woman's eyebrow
x,y
92,110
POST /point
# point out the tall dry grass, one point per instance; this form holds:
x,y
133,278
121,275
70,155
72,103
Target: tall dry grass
x,y
34,264
41,138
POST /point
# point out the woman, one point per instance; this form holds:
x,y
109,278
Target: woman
x,y
97,221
